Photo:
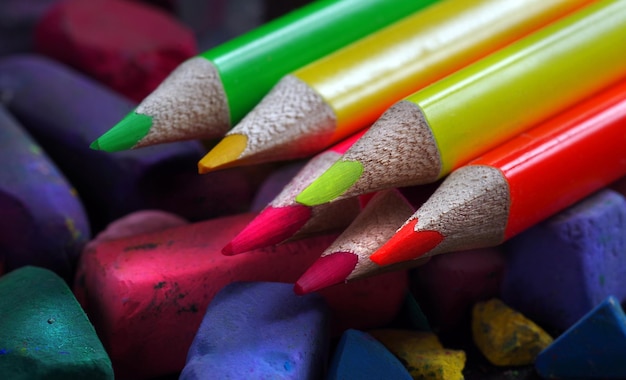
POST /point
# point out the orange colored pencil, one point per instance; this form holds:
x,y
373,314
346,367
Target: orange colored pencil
x,y
520,183
445,125
333,97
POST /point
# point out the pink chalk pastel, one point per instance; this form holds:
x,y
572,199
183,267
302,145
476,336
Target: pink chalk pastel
x,y
146,294
136,223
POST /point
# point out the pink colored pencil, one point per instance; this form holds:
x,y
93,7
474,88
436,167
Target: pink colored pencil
x,y
283,219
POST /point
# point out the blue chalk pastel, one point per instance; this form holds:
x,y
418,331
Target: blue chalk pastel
x,y
260,330
358,355
42,221
593,348
65,111
560,269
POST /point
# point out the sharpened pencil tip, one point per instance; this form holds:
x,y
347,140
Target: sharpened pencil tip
x,y
125,134
224,154
326,271
334,182
406,245
272,226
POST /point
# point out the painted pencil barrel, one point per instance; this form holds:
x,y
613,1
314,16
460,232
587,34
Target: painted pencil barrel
x,y
251,64
42,220
363,79
565,159
519,86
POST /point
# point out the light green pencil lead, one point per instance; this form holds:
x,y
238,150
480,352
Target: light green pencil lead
x,y
125,134
331,184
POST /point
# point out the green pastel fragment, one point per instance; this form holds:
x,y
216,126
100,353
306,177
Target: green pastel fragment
x,y
331,184
125,134
44,332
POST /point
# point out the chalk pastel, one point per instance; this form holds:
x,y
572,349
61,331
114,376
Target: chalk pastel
x,y
360,356
147,294
560,269
422,353
138,222
18,19
260,330
43,221
448,285
129,46
65,111
44,333
505,336
592,348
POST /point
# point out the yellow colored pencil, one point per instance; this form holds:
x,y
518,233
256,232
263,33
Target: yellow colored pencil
x,y
333,97
423,137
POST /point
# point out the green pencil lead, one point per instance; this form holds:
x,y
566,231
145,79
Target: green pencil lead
x,y
125,134
331,184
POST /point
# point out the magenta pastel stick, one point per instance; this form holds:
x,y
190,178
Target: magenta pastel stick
x,y
129,46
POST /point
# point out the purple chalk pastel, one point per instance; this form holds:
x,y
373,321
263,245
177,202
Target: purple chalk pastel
x,y
43,222
260,330
593,348
561,268
65,111
360,356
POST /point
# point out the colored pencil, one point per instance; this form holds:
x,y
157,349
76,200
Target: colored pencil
x,y
207,94
347,258
283,219
332,97
423,137
519,183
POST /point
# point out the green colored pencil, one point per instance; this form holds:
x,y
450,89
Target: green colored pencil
x,y
207,94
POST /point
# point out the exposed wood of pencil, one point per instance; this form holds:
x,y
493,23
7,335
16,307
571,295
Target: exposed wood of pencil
x,y
519,183
347,257
283,219
209,93
486,103
358,83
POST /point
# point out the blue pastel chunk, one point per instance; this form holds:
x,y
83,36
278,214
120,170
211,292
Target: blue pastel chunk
x,y
593,348
260,330
560,269
358,355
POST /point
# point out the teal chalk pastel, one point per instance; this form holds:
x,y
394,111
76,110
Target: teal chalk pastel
x,y
44,333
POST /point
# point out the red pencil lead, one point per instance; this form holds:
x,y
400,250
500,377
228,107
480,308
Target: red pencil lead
x,y
273,225
326,271
407,244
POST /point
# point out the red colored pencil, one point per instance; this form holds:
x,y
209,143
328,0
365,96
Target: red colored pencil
x,y
520,183
283,219
347,258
